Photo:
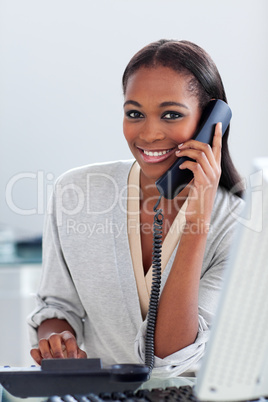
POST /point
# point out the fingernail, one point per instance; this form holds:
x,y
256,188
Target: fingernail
x,y
179,146
177,152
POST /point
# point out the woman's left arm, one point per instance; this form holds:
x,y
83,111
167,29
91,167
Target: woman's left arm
x,y
177,319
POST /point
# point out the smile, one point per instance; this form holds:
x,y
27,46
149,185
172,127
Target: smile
x,y
156,153
153,156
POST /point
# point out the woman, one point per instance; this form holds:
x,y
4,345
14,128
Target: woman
x,y
98,233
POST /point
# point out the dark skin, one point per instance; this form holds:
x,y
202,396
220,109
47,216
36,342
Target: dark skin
x,y
170,212
161,117
56,340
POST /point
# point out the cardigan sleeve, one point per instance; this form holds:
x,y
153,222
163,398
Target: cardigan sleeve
x,y
57,296
180,362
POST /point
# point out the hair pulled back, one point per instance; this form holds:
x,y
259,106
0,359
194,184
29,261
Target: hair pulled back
x,y
205,83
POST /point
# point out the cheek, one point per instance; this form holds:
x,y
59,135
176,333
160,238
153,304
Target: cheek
x,y
129,131
185,132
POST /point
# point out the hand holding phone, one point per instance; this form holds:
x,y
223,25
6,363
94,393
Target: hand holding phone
x,y
174,180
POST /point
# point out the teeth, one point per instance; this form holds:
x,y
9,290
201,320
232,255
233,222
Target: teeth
x,y
150,153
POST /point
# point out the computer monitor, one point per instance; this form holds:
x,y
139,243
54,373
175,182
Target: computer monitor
x,y
235,366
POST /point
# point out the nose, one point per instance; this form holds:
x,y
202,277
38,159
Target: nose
x,y
151,131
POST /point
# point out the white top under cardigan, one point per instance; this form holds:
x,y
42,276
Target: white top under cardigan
x,y
88,277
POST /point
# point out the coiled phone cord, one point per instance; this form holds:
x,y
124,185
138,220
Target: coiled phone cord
x,y
156,284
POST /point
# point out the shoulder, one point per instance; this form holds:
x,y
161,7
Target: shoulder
x,y
116,170
227,208
95,187
227,203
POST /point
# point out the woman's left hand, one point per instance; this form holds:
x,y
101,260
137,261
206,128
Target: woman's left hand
x,y
206,168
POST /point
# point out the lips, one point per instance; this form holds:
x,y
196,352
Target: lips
x,y
155,155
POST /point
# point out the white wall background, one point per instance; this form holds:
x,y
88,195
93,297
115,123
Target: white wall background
x,y
60,83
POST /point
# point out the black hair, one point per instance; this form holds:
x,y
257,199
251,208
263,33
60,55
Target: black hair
x,y
190,59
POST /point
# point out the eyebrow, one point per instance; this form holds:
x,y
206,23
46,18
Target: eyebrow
x,y
132,102
171,103
163,104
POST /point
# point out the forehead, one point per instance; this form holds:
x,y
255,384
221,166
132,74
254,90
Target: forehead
x,y
158,82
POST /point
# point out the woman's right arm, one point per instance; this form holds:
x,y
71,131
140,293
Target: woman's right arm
x,y
56,325
56,340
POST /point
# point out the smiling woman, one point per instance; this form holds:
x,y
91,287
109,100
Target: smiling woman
x,y
95,290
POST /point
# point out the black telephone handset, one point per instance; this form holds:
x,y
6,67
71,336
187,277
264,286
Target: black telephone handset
x,y
175,179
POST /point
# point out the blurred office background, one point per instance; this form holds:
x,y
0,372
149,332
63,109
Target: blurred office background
x,y
61,107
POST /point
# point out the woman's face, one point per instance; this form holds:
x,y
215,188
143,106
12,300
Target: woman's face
x,y
159,114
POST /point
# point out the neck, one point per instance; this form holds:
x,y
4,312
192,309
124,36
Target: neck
x,y
150,194
148,187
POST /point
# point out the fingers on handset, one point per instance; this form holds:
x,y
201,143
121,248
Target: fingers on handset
x,y
202,152
202,159
57,346
217,142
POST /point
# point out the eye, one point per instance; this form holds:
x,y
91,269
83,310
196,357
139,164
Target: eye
x,y
134,114
172,115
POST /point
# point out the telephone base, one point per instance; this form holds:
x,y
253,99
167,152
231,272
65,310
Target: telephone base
x,y
71,376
